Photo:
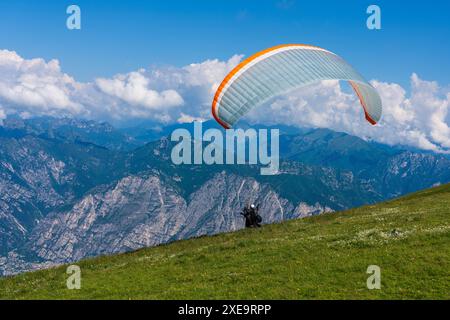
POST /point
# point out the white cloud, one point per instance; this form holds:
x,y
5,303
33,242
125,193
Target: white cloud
x,y
132,88
35,87
32,87
196,83
2,115
184,118
418,119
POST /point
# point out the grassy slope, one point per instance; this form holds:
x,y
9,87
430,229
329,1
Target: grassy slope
x,y
320,257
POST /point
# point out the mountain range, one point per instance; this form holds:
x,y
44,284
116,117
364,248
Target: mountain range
x,y
71,189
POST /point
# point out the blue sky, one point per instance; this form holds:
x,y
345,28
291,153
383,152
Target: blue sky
x,y
162,61
120,36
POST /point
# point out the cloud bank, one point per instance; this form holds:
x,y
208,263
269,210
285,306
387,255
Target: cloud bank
x,y
420,119
416,117
34,87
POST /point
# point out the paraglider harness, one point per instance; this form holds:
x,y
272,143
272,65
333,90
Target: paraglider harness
x,y
252,218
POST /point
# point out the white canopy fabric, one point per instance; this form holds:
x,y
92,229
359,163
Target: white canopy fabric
x,y
281,69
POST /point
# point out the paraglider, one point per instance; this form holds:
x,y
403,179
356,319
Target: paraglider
x,y
281,69
252,217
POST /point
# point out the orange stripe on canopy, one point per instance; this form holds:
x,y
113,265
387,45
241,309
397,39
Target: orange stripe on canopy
x,y
239,67
361,100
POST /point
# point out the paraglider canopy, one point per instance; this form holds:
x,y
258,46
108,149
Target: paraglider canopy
x,y
281,69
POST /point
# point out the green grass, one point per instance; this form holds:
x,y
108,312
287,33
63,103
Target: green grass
x,y
323,257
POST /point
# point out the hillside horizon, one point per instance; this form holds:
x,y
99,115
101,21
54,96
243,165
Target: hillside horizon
x,y
406,238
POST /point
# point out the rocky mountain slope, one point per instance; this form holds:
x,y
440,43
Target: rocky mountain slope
x,y
66,196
